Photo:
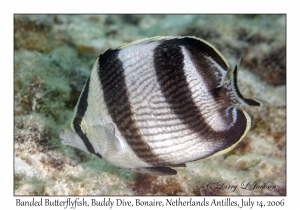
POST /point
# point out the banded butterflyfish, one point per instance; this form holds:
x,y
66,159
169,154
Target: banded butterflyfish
x,y
158,103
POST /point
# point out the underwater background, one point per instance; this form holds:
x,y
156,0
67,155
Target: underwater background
x,y
53,56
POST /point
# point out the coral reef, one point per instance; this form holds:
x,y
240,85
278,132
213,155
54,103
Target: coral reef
x,y
53,55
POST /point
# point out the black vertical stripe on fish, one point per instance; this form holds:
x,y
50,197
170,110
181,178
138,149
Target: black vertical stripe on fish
x,y
81,109
199,52
169,67
116,98
83,100
204,49
87,143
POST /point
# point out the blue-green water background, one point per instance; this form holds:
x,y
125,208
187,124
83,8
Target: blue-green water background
x,y
53,55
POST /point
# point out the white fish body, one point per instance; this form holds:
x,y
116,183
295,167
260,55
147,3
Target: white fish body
x,y
159,103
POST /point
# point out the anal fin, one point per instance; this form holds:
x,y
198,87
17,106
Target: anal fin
x,y
178,165
156,170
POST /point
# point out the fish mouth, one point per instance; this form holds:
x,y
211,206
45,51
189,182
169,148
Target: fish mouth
x,y
66,136
63,137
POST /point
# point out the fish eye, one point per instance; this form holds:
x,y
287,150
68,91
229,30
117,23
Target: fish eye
x,y
84,126
79,122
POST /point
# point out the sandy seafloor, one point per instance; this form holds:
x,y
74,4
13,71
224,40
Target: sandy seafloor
x,y
53,55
